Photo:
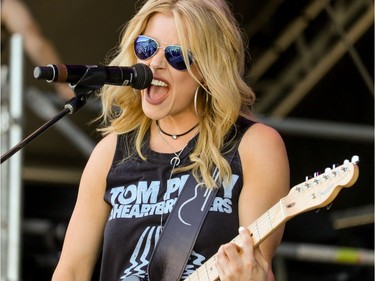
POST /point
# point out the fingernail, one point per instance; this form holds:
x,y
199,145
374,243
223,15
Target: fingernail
x,y
241,229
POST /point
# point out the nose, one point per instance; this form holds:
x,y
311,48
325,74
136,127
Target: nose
x,y
158,61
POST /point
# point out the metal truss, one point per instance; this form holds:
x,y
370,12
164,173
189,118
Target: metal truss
x,y
306,68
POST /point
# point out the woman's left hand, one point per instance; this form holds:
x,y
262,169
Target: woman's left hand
x,y
235,263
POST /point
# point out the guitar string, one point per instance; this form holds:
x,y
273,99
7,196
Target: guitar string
x,y
209,265
262,224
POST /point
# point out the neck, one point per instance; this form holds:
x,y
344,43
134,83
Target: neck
x,y
174,145
174,136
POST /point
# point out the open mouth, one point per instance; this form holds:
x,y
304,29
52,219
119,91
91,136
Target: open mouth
x,y
158,83
157,92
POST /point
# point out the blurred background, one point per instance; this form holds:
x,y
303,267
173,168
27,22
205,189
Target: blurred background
x,y
311,65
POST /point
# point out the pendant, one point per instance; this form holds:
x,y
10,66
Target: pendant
x,y
175,161
174,137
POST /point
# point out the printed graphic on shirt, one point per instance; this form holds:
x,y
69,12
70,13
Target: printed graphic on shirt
x,y
143,249
195,261
141,200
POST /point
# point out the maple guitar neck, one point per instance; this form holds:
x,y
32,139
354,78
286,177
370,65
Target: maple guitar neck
x,y
311,194
260,229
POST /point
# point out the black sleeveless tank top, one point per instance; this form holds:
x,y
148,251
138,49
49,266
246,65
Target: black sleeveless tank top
x,y
142,195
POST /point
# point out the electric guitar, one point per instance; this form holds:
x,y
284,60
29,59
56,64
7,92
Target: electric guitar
x,y
314,193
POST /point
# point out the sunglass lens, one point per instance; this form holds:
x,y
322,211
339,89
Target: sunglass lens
x,y
145,47
175,58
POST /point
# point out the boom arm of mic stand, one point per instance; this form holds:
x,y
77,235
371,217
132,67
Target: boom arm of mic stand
x,y
73,105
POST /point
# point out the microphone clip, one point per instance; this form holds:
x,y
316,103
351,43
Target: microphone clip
x,y
93,79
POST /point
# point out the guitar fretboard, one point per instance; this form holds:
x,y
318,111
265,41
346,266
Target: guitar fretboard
x,y
260,229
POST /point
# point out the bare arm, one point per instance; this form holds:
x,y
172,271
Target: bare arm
x,y
83,239
17,19
266,180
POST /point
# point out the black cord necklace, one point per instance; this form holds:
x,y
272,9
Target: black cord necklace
x,y
175,136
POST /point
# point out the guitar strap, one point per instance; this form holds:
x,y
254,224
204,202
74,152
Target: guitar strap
x,y
181,230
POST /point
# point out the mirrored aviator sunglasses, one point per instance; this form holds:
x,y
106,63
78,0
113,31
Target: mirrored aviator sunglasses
x,y
146,47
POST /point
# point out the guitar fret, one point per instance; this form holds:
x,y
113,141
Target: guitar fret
x,y
282,207
207,272
257,228
260,228
286,208
269,219
266,223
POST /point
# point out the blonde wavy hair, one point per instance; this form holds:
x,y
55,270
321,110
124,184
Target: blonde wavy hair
x,y
210,30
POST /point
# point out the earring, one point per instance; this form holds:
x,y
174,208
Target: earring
x,y
196,102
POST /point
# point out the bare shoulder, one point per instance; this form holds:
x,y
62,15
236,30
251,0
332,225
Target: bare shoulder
x,y
107,143
259,137
263,155
103,153
265,170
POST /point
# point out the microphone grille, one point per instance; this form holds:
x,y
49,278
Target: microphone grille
x,y
143,76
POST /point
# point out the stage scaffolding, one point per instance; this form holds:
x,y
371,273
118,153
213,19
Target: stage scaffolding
x,y
11,171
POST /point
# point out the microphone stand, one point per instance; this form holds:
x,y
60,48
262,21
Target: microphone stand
x,y
91,81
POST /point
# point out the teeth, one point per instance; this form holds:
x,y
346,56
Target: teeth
x,y
158,83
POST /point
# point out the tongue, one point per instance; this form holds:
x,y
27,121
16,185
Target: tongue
x,y
157,93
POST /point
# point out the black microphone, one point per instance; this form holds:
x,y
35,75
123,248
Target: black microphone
x,y
138,76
